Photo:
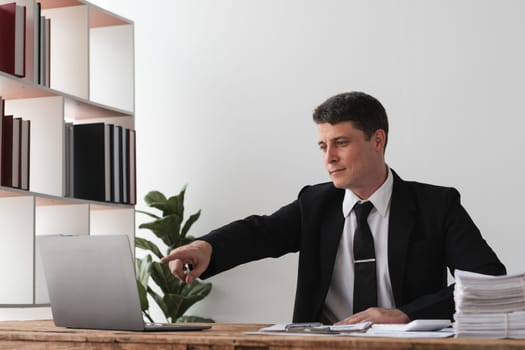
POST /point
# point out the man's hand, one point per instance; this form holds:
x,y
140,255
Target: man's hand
x,y
377,315
197,254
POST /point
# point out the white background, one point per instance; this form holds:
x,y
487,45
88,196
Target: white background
x,y
225,90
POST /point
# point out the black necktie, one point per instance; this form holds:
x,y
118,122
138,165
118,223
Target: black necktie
x,y
365,280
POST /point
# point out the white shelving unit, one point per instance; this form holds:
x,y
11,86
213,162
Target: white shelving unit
x,y
92,80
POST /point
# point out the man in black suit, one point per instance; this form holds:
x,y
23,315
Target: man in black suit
x,y
411,232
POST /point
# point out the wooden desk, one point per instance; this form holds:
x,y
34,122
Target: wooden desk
x,y
44,335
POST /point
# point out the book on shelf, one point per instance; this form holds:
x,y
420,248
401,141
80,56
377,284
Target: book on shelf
x,y
44,53
132,159
100,162
124,165
68,147
36,42
25,138
15,158
7,150
12,38
15,152
89,161
108,128
116,146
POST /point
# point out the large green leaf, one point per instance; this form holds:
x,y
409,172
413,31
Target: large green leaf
x,y
178,303
197,288
166,228
154,197
148,245
182,241
172,205
191,220
143,296
162,276
160,302
142,268
177,202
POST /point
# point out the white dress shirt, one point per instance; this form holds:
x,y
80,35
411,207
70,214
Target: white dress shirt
x,y
339,300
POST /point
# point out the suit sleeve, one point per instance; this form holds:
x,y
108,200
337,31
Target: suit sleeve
x,y
253,238
464,249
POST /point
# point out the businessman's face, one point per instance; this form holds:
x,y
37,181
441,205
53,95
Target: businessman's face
x,y
353,161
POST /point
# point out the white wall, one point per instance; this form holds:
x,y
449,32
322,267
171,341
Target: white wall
x,y
225,91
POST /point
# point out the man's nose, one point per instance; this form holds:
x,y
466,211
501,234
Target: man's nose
x,y
330,155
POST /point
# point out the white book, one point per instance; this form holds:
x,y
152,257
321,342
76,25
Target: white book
x,y
20,33
36,42
41,51
47,53
67,159
25,154
17,128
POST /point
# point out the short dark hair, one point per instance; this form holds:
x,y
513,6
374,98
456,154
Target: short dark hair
x,y
364,111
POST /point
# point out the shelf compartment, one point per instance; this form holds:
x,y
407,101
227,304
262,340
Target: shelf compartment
x,y
111,74
16,250
69,51
46,141
14,88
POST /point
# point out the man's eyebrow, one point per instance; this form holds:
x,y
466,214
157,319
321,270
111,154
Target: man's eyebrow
x,y
335,139
340,138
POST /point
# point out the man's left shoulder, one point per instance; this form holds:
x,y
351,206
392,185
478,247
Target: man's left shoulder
x,y
424,190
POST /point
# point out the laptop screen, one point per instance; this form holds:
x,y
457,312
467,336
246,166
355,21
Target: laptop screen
x,y
91,281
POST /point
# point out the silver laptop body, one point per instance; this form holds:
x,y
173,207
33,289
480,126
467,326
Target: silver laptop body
x,y
91,284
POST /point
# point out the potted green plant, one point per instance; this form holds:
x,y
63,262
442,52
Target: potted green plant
x,y
176,296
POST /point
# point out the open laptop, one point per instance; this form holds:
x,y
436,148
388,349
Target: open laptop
x,y
91,284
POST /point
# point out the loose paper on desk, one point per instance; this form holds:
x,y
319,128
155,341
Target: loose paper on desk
x,y
416,325
316,328
404,334
414,329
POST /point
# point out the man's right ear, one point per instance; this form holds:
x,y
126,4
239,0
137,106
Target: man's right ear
x,y
379,138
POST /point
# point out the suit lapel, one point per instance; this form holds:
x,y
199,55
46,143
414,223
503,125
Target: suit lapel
x,y
331,230
401,224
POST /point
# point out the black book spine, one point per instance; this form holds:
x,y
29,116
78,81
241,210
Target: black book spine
x,y
89,162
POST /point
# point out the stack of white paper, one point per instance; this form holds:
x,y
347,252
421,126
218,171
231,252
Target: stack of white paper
x,y
489,306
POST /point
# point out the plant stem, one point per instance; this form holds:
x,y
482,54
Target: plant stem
x,y
148,317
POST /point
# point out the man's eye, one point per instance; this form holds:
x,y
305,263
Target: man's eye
x,y
341,143
322,148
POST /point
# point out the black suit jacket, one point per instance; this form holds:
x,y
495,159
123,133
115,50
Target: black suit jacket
x,y
429,230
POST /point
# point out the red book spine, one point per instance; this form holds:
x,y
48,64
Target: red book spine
x,y
7,37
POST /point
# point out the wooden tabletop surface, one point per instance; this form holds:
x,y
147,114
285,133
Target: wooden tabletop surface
x,y
222,336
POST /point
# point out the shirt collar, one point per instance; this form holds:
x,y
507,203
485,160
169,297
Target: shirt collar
x,y
380,198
